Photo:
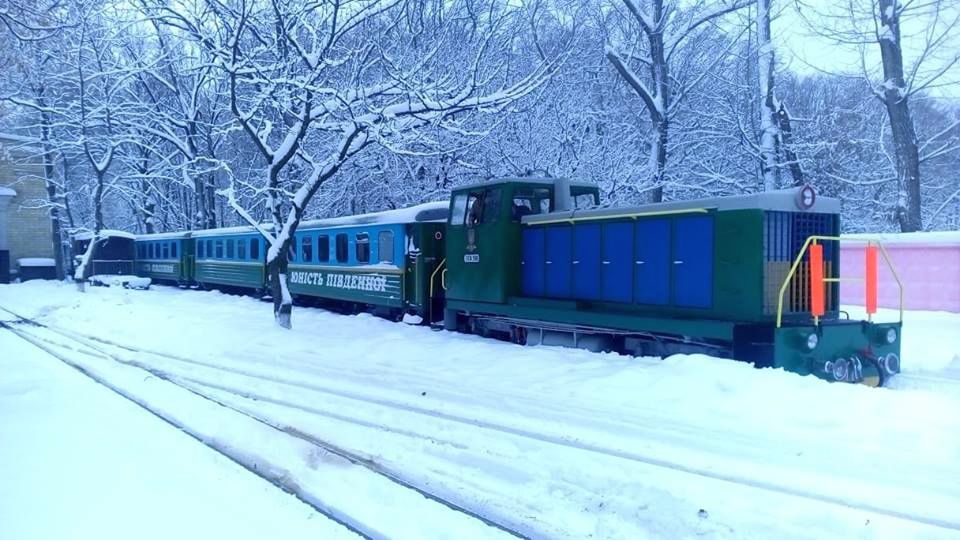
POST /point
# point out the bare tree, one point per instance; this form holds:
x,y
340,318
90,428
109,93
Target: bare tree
x,y
879,23
664,26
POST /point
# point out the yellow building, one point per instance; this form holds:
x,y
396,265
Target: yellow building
x,y
25,228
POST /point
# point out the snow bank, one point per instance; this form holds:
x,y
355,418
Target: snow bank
x,y
567,443
125,281
7,192
77,461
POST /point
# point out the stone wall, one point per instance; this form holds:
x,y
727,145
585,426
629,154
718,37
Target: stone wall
x,y
27,226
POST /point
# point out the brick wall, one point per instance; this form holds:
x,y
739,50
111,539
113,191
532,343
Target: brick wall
x,y
28,228
928,265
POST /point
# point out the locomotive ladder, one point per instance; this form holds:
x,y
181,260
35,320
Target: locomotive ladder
x,y
817,279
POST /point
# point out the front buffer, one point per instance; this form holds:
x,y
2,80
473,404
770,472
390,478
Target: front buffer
x,y
844,351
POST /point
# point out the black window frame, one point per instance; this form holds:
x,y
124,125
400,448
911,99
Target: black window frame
x,y
201,250
306,248
218,249
361,249
380,243
255,249
241,249
342,248
165,250
323,248
173,250
230,249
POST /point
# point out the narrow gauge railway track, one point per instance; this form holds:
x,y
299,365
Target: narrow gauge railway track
x,y
49,347
773,487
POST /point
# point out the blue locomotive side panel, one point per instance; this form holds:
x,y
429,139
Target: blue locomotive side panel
x,y
652,262
693,261
559,258
616,270
586,262
532,262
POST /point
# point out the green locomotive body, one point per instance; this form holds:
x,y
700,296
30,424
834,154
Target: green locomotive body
x,y
692,276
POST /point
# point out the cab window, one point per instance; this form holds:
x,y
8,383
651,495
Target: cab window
x,y
459,213
530,201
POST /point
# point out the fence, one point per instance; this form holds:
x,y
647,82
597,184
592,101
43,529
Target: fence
x,y
928,265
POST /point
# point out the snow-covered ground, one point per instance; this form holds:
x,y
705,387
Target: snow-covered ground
x,y
551,442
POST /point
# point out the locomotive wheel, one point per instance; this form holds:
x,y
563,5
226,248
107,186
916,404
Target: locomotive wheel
x,y
519,335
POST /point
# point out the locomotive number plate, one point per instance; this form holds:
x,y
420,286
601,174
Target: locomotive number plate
x,y
471,258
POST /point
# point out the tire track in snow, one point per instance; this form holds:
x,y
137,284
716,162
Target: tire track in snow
x,y
356,459
541,437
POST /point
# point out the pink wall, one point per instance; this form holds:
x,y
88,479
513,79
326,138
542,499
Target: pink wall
x,y
928,265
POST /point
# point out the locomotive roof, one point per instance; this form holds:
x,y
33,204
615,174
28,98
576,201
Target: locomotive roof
x,y
427,212
520,179
784,200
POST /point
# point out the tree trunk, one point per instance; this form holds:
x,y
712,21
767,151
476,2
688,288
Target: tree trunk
x,y
769,127
894,98
658,158
786,142
49,172
279,290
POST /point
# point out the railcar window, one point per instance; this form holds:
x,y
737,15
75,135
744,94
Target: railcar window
x,y
173,250
219,248
166,250
210,249
255,249
201,253
323,248
150,250
242,249
306,249
385,247
458,216
530,201
363,248
230,248
342,248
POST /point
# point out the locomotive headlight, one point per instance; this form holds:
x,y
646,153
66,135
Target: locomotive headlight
x,y
891,363
840,368
891,335
812,341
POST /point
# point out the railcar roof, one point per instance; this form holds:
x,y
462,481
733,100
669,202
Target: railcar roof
x,y
428,212
784,200
104,233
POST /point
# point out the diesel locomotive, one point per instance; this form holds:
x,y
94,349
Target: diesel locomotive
x,y
539,261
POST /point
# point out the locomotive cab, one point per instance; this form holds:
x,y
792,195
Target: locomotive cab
x,y
484,231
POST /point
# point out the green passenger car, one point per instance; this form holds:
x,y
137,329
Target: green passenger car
x,y
165,257
385,260
529,261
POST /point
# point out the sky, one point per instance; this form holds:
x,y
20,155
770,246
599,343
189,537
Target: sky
x,y
803,50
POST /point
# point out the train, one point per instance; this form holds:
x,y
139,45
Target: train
x,y
539,261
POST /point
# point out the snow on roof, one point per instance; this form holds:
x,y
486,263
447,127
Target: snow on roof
x,y
243,229
7,192
36,261
165,236
549,181
87,235
927,238
784,200
431,211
